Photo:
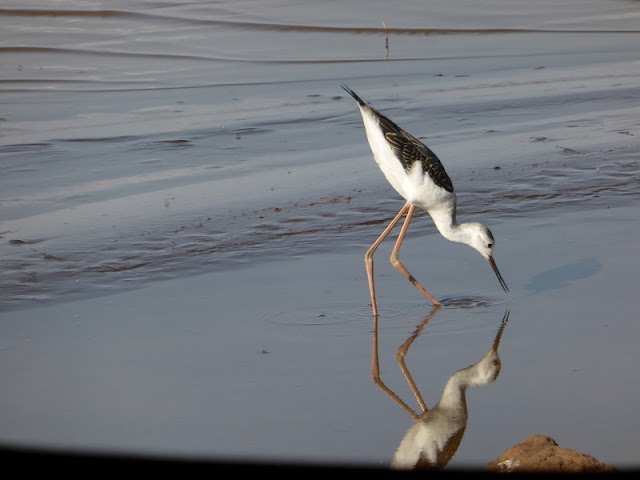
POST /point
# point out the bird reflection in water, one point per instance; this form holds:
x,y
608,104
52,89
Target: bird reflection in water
x,y
436,434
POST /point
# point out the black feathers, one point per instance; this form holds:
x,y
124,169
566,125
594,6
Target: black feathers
x,y
353,94
409,149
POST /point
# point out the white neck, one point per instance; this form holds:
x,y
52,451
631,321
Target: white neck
x,y
481,373
453,395
445,219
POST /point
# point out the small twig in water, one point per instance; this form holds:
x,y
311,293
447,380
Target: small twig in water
x,y
386,43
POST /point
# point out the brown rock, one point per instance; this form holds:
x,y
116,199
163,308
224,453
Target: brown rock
x,y
540,453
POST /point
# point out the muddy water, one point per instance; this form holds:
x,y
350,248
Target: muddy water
x,y
186,196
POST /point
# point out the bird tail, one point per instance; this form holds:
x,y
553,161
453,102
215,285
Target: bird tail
x,y
353,94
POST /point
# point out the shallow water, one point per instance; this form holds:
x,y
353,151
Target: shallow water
x,y
186,196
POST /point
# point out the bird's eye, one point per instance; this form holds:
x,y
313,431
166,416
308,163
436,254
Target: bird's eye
x,y
489,245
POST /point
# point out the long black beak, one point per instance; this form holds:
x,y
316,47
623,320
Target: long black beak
x,y
505,319
503,284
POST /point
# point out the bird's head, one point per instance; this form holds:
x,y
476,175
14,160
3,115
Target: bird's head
x,y
487,369
481,239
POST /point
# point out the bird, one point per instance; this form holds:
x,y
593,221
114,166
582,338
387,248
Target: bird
x,y
417,174
434,438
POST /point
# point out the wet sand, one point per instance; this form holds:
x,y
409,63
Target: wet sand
x,y
183,231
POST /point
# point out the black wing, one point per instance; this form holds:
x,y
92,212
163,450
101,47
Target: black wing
x,y
409,149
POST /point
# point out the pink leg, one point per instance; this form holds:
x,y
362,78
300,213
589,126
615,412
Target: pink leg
x,y
375,373
402,352
368,257
396,263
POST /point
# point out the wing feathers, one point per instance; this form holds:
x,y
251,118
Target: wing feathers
x,y
407,148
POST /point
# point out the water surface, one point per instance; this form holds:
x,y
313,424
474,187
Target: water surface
x,y
186,196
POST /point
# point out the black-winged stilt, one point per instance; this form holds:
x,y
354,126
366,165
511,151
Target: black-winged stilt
x,y
417,174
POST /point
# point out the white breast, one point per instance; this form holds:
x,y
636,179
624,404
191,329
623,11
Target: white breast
x,y
384,156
